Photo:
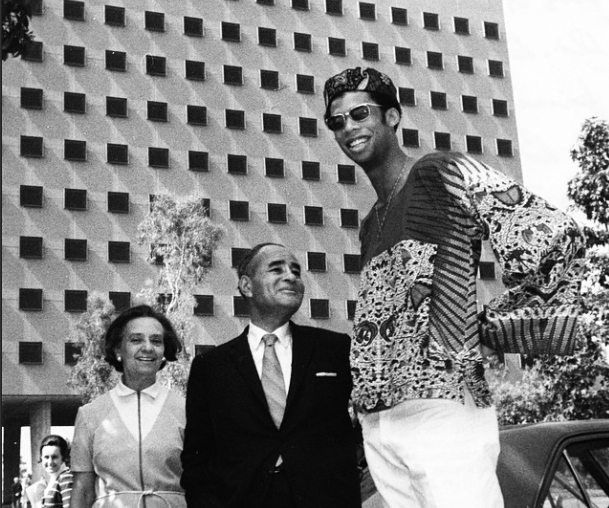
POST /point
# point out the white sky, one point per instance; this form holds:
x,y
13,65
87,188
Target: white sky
x,y
559,61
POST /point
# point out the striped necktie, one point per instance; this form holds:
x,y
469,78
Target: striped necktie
x,y
272,379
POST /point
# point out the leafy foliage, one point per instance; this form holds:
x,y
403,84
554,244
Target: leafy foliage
x,y
16,34
589,190
574,387
92,375
180,234
555,389
523,401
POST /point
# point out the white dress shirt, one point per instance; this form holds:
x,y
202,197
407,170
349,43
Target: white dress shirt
x,y
151,402
283,348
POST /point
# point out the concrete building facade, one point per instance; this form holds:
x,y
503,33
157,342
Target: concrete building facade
x,y
118,101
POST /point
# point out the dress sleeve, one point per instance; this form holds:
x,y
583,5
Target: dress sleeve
x,y
539,248
82,444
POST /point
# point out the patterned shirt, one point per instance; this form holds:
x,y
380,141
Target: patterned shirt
x,y
57,494
417,329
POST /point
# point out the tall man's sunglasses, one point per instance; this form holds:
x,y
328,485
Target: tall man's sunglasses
x,y
357,114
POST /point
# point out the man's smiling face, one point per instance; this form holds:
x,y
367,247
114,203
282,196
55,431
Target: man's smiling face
x,y
366,140
275,282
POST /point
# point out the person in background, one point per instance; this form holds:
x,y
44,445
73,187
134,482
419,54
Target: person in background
x,y
55,458
54,489
268,424
127,442
27,481
16,491
430,431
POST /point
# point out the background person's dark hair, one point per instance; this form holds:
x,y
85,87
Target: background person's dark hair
x,y
245,267
115,332
59,442
383,100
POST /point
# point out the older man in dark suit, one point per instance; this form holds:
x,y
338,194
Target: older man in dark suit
x,y
267,413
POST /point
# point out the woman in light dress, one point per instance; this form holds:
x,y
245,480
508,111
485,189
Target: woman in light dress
x,y
127,442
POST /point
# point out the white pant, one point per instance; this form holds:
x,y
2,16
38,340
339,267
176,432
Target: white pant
x,y
434,453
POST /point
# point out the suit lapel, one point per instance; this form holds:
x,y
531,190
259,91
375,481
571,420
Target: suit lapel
x,y
302,350
242,356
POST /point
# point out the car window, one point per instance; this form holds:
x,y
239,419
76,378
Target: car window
x,y
564,491
581,479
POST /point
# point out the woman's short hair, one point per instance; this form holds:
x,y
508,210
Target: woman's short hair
x,y
59,442
114,335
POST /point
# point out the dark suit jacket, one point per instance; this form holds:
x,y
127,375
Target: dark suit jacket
x,y
231,443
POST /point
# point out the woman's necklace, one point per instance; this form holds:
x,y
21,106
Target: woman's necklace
x,y
380,222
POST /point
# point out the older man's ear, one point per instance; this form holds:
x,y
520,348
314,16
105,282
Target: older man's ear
x,y
245,286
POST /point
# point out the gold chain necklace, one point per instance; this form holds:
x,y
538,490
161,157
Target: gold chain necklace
x,y
380,222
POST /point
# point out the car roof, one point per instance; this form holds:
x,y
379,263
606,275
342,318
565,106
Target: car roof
x,y
527,450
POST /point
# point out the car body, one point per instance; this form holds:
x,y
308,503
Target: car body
x,y
545,465
555,465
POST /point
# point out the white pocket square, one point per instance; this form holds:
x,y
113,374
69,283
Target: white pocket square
x,y
326,374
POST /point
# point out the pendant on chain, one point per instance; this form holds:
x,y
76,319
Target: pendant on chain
x,y
380,222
